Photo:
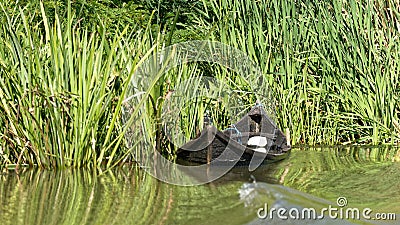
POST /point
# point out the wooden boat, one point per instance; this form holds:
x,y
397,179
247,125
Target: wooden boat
x,y
239,142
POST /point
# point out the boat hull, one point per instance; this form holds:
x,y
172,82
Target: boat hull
x,y
217,146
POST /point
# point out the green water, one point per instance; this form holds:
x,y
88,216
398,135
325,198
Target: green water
x,y
367,177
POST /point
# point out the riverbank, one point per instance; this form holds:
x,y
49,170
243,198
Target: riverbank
x,y
64,68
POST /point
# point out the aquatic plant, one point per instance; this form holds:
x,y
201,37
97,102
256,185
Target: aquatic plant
x,y
332,67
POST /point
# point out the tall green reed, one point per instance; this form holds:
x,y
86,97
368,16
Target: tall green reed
x,y
61,90
332,65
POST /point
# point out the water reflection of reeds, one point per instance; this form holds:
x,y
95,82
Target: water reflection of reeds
x,y
120,196
82,197
367,176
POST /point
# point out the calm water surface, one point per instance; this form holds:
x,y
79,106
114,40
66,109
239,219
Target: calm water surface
x,y
366,177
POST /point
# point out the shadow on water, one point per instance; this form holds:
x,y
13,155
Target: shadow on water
x,y
367,177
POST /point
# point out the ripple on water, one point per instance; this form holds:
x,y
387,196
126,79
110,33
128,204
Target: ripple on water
x,y
367,177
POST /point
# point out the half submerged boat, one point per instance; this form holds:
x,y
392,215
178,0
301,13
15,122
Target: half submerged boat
x,y
254,136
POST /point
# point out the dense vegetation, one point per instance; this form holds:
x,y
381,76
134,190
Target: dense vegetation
x,y
333,67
